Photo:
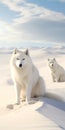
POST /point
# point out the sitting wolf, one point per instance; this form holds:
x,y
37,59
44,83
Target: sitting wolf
x,y
57,71
26,77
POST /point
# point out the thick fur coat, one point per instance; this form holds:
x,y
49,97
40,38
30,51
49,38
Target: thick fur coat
x,y
27,81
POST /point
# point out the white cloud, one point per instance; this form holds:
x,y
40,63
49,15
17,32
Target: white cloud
x,y
36,31
33,24
29,11
43,30
7,33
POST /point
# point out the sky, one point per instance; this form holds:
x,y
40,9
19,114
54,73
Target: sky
x,y
32,23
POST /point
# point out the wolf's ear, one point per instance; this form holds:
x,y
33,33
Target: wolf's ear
x,y
48,59
15,51
27,52
54,59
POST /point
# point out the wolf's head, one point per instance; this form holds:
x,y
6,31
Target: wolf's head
x,y
52,63
21,59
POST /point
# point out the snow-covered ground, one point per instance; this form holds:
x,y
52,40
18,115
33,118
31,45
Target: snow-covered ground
x,y
45,114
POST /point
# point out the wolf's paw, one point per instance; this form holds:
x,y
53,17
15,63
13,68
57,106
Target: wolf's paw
x,y
17,103
31,101
23,99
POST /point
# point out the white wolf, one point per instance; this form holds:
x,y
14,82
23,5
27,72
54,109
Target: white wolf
x,y
26,76
57,71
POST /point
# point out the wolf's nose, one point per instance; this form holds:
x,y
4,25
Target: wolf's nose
x,y
20,65
52,64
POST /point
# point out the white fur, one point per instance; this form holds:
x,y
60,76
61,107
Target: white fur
x,y
26,78
57,72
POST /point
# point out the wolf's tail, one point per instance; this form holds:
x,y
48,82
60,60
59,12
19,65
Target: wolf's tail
x,y
54,96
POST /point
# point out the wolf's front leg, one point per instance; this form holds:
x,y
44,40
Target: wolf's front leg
x,y
28,95
53,78
18,90
57,79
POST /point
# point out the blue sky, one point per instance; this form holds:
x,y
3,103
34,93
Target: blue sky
x,y
55,5
32,22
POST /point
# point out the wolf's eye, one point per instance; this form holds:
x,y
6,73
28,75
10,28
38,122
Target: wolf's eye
x,y
23,59
17,58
